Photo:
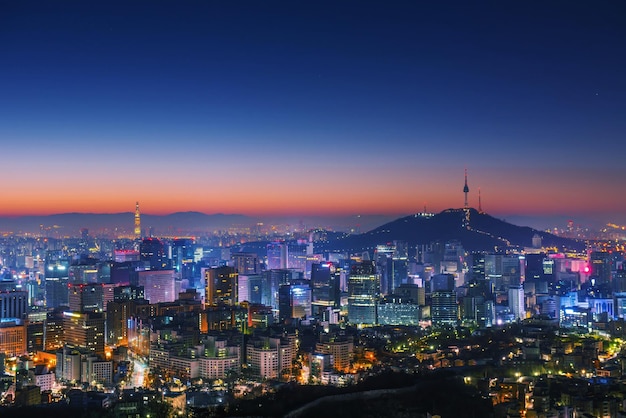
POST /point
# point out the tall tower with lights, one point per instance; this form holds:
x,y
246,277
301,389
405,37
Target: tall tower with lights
x,y
466,191
137,221
466,220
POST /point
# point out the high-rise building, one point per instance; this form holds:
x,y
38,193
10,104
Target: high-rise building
x,y
400,263
442,282
86,297
363,293
13,305
412,291
183,257
478,266
272,279
246,263
84,270
600,262
444,310
251,288
13,338
503,271
152,251
120,311
159,285
383,256
57,278
221,286
395,310
516,302
534,266
85,330
276,256
294,301
619,281
325,281
53,331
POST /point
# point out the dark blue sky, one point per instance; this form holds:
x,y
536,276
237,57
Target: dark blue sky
x,y
266,99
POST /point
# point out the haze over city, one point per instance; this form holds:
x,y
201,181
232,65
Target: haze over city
x,y
313,108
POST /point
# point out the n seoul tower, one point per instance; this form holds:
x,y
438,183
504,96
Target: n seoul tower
x,y
466,191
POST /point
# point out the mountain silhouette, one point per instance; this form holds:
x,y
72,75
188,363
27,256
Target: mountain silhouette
x,y
484,233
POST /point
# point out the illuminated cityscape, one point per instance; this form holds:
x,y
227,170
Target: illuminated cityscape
x,y
347,209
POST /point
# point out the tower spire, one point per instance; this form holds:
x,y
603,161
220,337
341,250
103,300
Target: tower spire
x,y
137,221
466,191
480,206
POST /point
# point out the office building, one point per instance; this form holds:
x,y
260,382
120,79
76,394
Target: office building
x,y
246,263
340,347
159,285
86,297
444,310
363,293
152,251
294,302
57,278
325,281
13,305
221,286
183,257
600,263
84,330
516,302
13,337
395,310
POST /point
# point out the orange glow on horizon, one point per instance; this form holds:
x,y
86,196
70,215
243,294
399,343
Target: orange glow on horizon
x,y
519,192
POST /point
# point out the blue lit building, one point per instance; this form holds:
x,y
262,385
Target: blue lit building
x,y
294,301
395,310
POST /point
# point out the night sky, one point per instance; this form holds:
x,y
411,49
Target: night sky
x,y
313,107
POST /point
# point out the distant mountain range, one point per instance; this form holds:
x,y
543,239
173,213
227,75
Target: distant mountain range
x,y
485,233
71,223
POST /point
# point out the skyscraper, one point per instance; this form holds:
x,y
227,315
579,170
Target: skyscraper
x,y
516,302
221,286
246,263
325,280
57,278
159,286
152,250
13,305
84,330
86,297
137,221
444,309
600,262
363,293
294,301
183,257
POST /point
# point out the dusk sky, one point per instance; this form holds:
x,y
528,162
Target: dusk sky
x,y
313,107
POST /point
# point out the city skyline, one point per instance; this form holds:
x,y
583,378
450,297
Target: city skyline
x,y
313,109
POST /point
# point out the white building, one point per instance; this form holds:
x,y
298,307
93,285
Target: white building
x,y
516,302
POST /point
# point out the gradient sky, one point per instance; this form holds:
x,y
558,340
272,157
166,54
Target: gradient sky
x,y
313,107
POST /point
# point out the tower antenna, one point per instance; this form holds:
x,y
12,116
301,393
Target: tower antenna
x,y
480,206
466,191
